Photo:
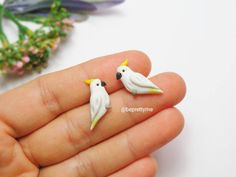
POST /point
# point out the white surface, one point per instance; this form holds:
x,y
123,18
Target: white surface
x,y
195,38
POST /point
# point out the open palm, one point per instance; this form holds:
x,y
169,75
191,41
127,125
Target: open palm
x,y
45,124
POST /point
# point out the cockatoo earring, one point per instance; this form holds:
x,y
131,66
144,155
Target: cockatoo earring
x,y
99,100
135,82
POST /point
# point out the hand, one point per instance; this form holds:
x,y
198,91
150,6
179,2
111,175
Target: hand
x,y
45,124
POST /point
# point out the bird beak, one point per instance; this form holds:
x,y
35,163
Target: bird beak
x,y
103,83
118,76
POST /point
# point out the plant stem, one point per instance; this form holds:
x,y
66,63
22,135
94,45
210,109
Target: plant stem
x,y
32,18
23,30
3,37
55,6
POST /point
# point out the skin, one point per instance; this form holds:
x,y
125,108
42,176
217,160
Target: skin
x,y
45,124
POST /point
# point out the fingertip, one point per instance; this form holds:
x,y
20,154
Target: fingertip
x,y
140,60
181,83
173,86
174,123
180,122
146,165
153,166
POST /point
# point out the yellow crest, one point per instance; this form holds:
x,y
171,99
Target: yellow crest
x,y
88,81
125,63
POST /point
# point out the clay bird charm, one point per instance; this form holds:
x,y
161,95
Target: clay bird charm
x,y
99,100
135,82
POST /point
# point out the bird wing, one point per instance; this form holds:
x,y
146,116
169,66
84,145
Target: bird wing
x,y
96,103
141,81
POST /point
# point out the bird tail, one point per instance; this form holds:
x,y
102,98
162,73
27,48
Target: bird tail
x,y
94,123
155,90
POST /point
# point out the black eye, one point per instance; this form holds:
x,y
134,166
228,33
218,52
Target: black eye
x,y
123,70
97,84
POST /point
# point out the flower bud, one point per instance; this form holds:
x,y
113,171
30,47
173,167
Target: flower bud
x,y
26,59
19,64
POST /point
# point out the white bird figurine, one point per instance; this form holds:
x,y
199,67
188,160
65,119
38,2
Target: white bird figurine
x,y
99,100
135,82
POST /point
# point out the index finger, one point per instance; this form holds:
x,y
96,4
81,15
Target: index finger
x,y
33,105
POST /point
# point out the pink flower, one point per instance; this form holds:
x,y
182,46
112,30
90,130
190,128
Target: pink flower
x,y
34,50
68,21
58,24
26,59
31,49
56,44
25,41
58,40
18,68
19,64
54,47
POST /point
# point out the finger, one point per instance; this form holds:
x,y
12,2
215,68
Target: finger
x,y
43,99
123,149
72,129
11,158
145,167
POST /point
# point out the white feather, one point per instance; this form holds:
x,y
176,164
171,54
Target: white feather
x,y
141,81
99,101
136,83
96,104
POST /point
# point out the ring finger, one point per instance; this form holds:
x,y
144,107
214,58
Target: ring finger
x,y
123,149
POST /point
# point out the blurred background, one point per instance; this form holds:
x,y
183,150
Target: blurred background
x,y
195,38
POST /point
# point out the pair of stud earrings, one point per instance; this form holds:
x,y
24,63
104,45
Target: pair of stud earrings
x,y
134,82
